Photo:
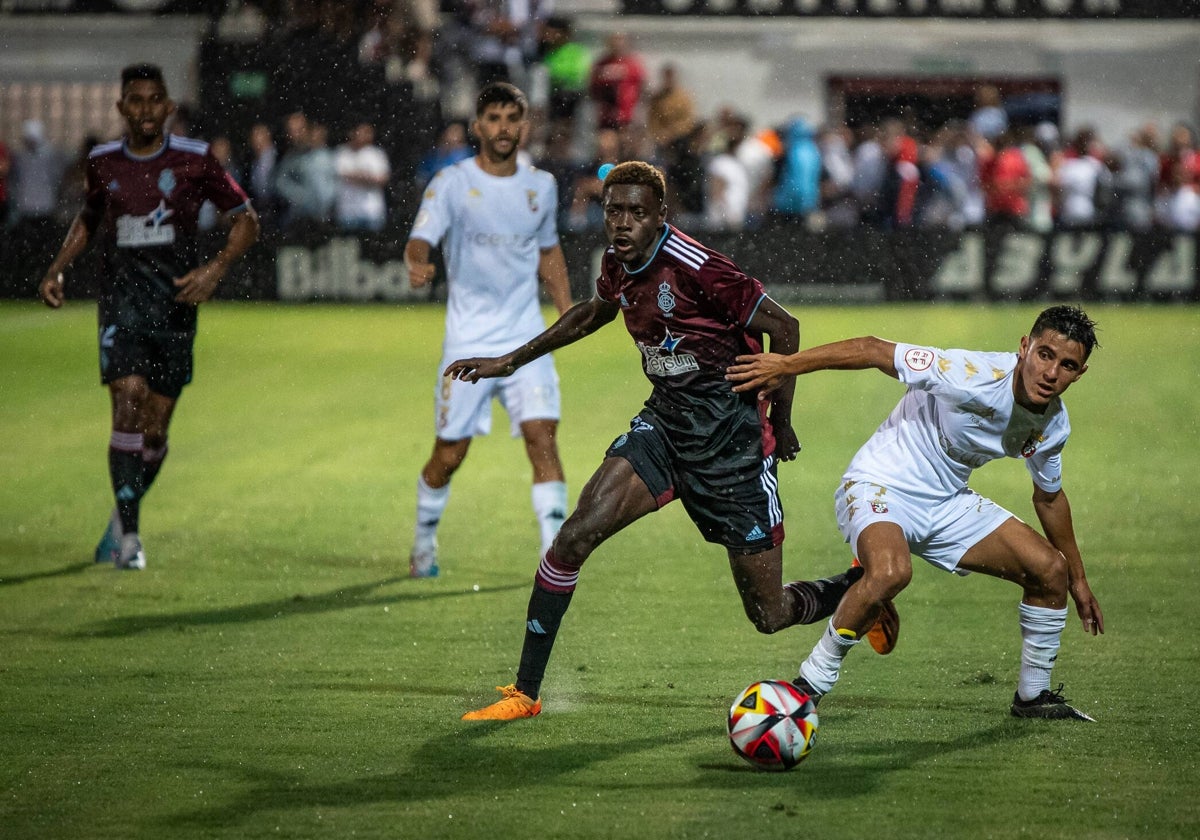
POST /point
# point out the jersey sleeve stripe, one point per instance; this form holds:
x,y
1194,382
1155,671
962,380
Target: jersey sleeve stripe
x,y
685,255
186,144
105,148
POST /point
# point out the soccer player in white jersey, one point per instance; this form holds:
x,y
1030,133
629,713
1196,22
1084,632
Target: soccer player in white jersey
x,y
906,492
495,220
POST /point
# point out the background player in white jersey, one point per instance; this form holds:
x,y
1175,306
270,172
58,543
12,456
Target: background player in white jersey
x,y
906,492
495,219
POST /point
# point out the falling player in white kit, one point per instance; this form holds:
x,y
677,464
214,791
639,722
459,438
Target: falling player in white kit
x,y
495,219
905,492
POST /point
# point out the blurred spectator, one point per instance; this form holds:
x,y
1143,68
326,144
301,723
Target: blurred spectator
x,y
1040,147
363,172
1136,180
306,177
946,194
559,160
35,175
616,83
837,177
586,213
1006,179
989,119
182,122
1181,151
5,167
727,198
222,150
260,173
902,178
503,38
567,63
870,167
451,147
1081,177
670,109
798,184
759,154
1181,209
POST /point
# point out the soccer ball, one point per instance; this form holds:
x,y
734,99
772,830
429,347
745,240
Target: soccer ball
x,y
772,724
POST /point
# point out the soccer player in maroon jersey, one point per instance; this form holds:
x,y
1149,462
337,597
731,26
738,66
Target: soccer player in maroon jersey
x,y
143,196
690,311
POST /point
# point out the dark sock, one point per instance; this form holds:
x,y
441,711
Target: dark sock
x,y
125,470
816,600
152,461
545,613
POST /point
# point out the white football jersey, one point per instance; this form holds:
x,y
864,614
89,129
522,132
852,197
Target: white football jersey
x,y
958,414
492,231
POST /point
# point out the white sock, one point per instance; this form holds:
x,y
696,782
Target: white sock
x,y
431,503
550,505
1041,632
825,662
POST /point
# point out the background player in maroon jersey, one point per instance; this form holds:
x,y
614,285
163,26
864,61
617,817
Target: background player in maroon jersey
x,y
690,311
144,194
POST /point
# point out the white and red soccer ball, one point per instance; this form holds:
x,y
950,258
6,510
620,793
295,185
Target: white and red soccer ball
x,y
772,724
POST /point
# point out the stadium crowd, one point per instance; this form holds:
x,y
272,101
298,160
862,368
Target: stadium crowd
x,y
366,106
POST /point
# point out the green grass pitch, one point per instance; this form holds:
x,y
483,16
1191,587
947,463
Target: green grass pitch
x,y
275,673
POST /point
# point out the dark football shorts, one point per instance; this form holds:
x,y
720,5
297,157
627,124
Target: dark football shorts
x,y
733,499
164,359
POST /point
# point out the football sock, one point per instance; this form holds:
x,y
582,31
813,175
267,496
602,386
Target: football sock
x,y
152,460
814,600
431,503
553,587
1041,632
550,505
125,469
821,668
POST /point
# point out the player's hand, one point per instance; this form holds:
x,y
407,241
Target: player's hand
x,y
764,373
51,290
420,274
472,370
1088,608
199,284
787,445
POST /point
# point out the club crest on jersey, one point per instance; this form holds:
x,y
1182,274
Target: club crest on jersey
x,y
531,197
114,186
879,506
166,182
666,300
1030,446
148,230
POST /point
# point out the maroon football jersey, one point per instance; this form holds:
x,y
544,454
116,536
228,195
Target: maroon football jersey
x,y
687,309
149,208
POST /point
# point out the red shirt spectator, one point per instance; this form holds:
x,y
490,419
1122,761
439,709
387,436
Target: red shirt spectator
x,y
1006,180
617,81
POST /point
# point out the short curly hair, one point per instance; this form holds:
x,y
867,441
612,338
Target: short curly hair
x,y
1071,322
641,174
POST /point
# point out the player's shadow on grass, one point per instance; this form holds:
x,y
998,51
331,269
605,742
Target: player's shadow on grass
x,y
459,762
343,598
73,569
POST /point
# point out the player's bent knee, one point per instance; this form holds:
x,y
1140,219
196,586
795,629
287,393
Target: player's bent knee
x,y
884,580
1048,572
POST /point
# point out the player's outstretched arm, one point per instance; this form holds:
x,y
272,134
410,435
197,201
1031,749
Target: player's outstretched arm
x,y
50,290
580,320
766,371
1054,512
199,284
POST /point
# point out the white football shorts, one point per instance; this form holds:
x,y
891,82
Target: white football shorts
x,y
939,531
464,409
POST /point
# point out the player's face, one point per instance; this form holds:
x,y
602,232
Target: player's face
x,y
633,221
499,129
1047,364
145,106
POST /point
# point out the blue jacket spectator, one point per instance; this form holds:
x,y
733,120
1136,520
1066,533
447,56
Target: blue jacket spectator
x,y
798,188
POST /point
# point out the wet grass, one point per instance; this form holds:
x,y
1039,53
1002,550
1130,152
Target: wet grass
x,y
274,671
